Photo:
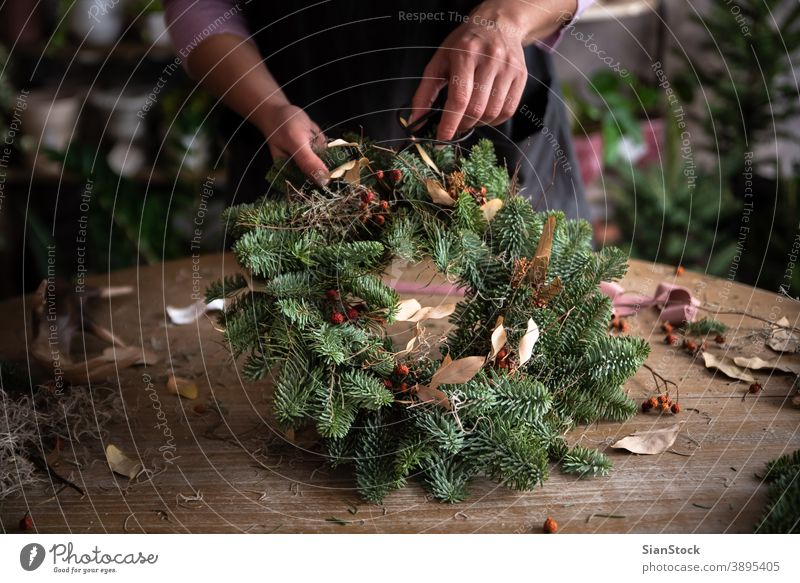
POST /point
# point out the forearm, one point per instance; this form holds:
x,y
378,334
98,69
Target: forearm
x,y
531,21
231,68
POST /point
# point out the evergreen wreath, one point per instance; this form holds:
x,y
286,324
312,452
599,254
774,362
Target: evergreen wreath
x,y
530,354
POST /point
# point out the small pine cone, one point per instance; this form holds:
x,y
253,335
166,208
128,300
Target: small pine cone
x,y
337,318
720,339
550,526
456,184
676,408
401,370
520,270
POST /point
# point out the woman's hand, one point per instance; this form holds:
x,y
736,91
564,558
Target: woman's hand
x,y
290,133
482,63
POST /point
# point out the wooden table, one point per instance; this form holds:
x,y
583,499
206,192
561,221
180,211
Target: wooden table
x,y
246,478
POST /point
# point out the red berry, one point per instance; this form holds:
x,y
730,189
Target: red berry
x,y
332,294
720,339
397,175
624,326
615,322
200,409
403,387
384,205
666,327
653,402
379,175
388,384
337,318
502,354
690,346
368,196
665,406
646,406
662,398
671,339
550,526
352,314
380,219
680,270
676,408
26,523
401,370
755,388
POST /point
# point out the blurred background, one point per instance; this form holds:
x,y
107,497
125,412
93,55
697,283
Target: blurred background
x,y
684,118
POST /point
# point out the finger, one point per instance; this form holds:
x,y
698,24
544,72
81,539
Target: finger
x,y
310,164
433,80
497,101
481,94
459,91
513,97
318,138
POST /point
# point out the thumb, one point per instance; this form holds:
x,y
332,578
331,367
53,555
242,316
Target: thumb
x,y
310,164
433,80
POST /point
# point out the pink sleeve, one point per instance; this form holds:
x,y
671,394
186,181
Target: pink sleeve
x,y
192,21
551,42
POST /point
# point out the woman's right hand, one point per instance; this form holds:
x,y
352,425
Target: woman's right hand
x,y
290,133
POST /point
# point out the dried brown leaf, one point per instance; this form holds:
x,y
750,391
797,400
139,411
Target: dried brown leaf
x,y
406,309
491,208
427,159
782,339
438,193
756,363
122,464
428,394
649,442
339,171
407,313
340,142
527,342
181,386
727,366
541,258
457,371
499,337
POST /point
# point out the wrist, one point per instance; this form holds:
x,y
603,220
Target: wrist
x,y
267,117
522,20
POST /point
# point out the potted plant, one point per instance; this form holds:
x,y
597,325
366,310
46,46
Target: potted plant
x,y
608,124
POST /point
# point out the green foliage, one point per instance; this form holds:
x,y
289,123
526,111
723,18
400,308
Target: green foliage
x,y
705,326
313,317
782,514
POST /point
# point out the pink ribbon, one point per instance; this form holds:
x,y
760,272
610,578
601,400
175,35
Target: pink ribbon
x,y
676,304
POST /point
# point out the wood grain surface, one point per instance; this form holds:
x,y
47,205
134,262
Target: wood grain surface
x,y
237,473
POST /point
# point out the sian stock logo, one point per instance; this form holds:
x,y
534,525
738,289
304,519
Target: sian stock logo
x,y
31,556
66,559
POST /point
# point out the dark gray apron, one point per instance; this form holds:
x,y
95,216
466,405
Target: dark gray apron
x,y
352,64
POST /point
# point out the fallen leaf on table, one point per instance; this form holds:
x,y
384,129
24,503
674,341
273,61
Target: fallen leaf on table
x,y
727,366
783,339
438,193
181,386
491,208
527,342
122,464
756,363
649,442
499,337
428,394
191,313
457,371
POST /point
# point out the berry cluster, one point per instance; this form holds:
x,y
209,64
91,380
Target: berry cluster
x,y
373,208
661,404
503,359
401,380
690,346
342,311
